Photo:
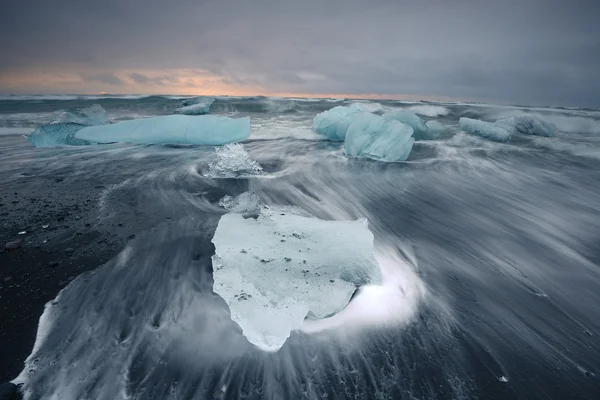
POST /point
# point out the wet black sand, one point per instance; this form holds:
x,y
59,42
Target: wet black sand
x,y
62,239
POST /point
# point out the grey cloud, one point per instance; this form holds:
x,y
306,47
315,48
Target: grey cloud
x,y
107,78
538,51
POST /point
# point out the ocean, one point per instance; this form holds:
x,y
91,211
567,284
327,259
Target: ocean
x,y
495,249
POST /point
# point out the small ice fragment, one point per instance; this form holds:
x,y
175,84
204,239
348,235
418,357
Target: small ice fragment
x,y
45,226
22,232
232,161
502,378
487,130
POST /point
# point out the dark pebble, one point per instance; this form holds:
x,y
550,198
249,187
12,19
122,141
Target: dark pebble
x,y
8,391
53,264
69,250
131,237
13,245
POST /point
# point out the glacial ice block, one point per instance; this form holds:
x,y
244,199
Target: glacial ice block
x,y
528,126
372,136
335,122
434,127
233,161
195,106
488,130
65,123
278,269
56,135
420,130
173,129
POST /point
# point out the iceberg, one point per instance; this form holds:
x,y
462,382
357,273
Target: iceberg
x,y
435,127
93,115
280,268
56,135
487,130
171,129
195,106
372,136
502,129
528,126
335,122
420,130
65,124
233,161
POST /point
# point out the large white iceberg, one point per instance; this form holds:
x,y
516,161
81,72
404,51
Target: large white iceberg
x,y
233,161
335,122
372,136
501,130
411,119
280,268
195,106
171,129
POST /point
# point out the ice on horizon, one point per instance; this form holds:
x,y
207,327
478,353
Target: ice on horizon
x,y
372,136
171,129
195,106
280,268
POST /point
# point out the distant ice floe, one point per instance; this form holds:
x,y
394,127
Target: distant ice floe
x,y
279,268
429,110
233,161
503,129
195,106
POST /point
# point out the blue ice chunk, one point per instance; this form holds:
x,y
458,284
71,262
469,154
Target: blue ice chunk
x,y
195,106
335,122
172,129
93,115
488,130
411,119
56,135
528,126
435,128
372,136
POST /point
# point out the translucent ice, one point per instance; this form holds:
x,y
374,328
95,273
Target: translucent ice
x,y
233,161
278,269
64,125
372,136
528,126
248,204
172,129
335,122
435,128
502,129
488,130
93,115
195,106
56,135
411,119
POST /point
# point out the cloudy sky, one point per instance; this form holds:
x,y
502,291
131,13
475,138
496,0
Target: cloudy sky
x,y
511,51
